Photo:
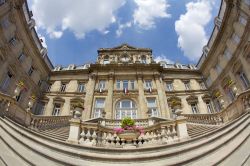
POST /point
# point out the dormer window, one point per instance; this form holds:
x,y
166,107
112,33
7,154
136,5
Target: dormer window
x,y
106,60
71,67
143,59
58,68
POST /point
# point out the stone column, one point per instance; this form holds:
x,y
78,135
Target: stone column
x,y
109,98
74,131
162,97
90,90
142,106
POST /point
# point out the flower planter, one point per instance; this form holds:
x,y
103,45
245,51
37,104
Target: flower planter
x,y
129,135
78,112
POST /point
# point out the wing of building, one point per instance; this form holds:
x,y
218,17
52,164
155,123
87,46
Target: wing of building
x,y
189,114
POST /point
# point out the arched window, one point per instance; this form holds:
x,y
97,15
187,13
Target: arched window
x,y
126,108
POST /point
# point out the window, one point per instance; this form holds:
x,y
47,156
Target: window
x,y
106,60
227,54
21,57
194,108
40,108
5,22
218,68
118,84
236,38
208,81
13,41
125,84
202,85
209,107
169,86
143,59
132,83
244,80
126,108
2,2
56,110
148,84
81,87
152,108
31,70
6,81
242,20
63,87
49,87
39,83
230,93
99,107
247,2
101,84
217,104
187,85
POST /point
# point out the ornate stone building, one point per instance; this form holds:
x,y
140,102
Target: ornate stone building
x,y
200,112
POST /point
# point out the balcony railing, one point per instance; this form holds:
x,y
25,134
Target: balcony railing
x,y
239,106
10,108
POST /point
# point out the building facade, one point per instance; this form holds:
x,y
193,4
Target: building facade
x,y
125,80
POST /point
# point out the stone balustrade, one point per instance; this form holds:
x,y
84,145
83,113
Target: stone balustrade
x,y
235,109
95,134
48,122
10,108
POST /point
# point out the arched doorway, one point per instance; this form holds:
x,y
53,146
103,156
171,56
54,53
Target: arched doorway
x,y
126,108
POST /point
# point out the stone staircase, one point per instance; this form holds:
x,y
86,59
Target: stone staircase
x,y
227,145
60,134
196,130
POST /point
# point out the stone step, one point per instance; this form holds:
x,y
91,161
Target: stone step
x,y
186,152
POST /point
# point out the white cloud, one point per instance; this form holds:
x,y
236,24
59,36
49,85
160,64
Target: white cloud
x,y
78,16
191,28
121,27
149,10
163,58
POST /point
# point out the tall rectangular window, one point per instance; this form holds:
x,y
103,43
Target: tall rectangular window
x,y
63,87
21,57
218,68
236,38
132,84
152,107
49,87
187,85
244,80
118,84
227,54
169,86
101,84
194,108
31,70
56,110
81,87
125,84
6,81
202,85
242,20
148,84
99,107
13,41
209,107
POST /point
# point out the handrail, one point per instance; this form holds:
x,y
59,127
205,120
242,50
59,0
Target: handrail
x,y
235,109
10,108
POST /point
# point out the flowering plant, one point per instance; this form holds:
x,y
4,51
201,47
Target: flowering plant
x,y
128,124
33,97
21,85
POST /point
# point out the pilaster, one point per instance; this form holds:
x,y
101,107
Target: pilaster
x,y
142,112
109,98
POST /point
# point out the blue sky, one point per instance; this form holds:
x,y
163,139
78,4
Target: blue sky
x,y
176,30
